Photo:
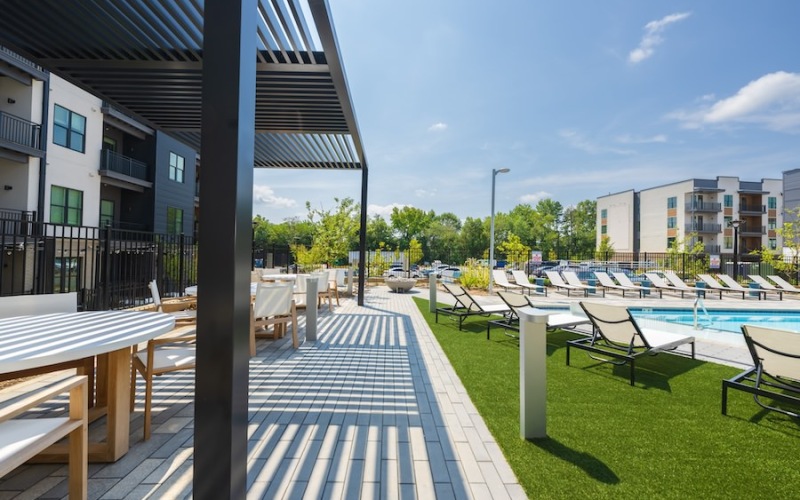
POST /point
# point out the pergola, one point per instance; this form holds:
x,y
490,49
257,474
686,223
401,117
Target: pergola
x,y
251,83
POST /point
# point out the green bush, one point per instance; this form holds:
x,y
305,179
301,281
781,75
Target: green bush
x,y
474,275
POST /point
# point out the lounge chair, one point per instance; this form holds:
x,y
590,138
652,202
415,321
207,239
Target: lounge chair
x,y
678,283
557,281
713,284
572,279
555,321
178,309
465,305
661,285
624,280
776,371
766,285
522,280
500,279
608,283
734,285
783,284
618,336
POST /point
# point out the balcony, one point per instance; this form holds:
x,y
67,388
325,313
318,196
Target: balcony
x,y
744,230
699,206
124,172
752,209
19,135
703,228
713,249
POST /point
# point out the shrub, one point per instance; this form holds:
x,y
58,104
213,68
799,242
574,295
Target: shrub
x,y
474,275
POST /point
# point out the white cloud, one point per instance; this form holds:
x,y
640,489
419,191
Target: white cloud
x,y
652,36
772,101
425,193
535,197
266,196
629,139
437,127
384,210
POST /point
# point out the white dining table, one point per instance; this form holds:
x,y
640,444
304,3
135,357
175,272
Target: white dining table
x,y
35,342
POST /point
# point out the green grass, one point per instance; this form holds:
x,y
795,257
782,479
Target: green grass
x,y
663,438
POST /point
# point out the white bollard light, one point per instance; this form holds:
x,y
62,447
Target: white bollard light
x,y
532,373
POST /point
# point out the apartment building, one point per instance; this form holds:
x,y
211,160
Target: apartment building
x,y
694,210
67,157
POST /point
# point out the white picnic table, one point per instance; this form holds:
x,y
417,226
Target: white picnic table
x,y
35,342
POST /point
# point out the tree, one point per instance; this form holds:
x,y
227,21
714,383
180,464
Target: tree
x,y
547,226
790,233
579,228
379,233
409,222
474,237
336,230
605,250
516,252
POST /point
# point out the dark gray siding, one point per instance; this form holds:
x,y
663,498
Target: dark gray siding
x,y
169,193
791,192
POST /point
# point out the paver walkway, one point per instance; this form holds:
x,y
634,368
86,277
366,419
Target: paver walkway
x,y
373,409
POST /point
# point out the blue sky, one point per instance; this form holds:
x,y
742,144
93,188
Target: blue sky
x,y
578,98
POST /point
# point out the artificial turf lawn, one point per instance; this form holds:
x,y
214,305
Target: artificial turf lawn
x,y
663,438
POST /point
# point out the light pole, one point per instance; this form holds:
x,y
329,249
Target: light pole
x,y
735,225
491,229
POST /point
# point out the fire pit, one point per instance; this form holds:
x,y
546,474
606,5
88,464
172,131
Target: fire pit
x,y
400,285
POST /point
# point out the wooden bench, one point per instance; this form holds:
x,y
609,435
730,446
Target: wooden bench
x,y
23,438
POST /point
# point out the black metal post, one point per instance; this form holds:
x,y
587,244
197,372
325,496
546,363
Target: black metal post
x,y
223,308
736,252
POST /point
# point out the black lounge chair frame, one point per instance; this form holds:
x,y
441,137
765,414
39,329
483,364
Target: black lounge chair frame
x,y
758,382
619,353
465,306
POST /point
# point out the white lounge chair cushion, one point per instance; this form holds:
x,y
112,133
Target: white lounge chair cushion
x,y
663,341
563,320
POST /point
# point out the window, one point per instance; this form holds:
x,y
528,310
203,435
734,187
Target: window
x,y
176,167
174,220
772,203
729,242
672,202
728,201
106,213
670,242
773,244
604,214
66,206
772,223
672,222
603,229
728,220
65,275
69,129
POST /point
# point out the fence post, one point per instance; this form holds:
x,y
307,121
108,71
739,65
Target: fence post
x,y
105,299
181,267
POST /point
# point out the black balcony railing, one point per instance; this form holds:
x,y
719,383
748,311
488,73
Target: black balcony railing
x,y
699,206
713,249
19,131
746,230
703,228
756,209
121,164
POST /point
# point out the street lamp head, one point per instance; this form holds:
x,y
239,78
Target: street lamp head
x,y
501,171
734,223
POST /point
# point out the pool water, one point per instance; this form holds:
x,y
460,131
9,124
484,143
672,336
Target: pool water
x,y
727,321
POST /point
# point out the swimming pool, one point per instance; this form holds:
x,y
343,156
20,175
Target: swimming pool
x,y
723,320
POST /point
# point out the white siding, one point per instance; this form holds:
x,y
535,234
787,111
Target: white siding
x,y
619,220
72,169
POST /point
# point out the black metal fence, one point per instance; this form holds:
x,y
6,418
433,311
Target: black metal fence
x,y
109,268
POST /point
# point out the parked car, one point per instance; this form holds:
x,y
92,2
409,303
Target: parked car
x,y
451,272
399,272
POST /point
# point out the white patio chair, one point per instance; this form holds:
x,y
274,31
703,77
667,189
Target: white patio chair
x,y
179,309
274,306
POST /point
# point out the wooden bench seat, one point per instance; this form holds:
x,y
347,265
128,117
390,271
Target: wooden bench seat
x,y
23,438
